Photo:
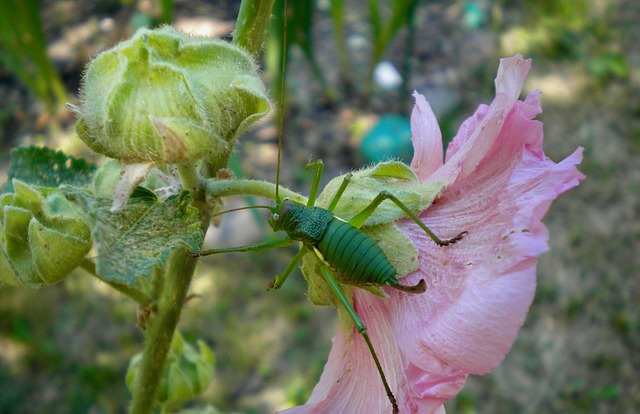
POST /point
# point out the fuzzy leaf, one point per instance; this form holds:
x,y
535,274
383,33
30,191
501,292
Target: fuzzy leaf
x,y
133,241
45,167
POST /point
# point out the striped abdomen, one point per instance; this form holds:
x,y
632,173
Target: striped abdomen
x,y
354,255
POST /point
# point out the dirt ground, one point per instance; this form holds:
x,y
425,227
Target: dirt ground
x,y
66,348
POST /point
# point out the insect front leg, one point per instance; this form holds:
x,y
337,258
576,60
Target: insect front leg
x,y
269,244
363,331
359,219
315,185
279,280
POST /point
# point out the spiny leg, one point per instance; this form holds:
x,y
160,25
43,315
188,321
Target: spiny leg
x,y
359,219
279,280
315,185
269,244
363,331
334,201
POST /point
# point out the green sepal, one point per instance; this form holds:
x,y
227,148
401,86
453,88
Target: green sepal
x,y
54,250
132,242
43,236
45,167
163,96
187,372
366,184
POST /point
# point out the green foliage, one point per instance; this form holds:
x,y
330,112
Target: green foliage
x,y
24,51
385,21
609,66
45,167
299,24
43,236
384,32
132,242
186,374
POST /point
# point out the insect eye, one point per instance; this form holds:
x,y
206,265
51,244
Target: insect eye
x,y
286,199
276,216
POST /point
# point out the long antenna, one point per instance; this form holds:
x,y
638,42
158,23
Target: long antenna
x,y
240,208
281,120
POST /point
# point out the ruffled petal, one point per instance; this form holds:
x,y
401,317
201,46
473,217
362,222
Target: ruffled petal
x,y
499,185
350,382
477,134
426,138
480,289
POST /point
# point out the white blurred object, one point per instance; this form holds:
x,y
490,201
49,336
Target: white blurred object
x,y
386,76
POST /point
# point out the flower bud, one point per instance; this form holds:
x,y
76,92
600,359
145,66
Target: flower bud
x,y
166,97
43,236
186,374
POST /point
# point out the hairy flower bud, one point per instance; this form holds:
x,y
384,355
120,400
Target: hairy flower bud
x,y
186,374
43,236
166,97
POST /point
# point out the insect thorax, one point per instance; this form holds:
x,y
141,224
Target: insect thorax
x,y
306,224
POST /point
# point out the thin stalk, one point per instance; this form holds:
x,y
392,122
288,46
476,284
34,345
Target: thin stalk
x,y
250,32
337,14
412,27
190,179
225,188
252,23
160,330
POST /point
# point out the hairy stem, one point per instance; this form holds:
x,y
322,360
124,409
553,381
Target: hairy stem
x,y
190,180
252,23
160,330
225,188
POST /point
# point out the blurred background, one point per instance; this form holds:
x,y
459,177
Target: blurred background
x,y
351,69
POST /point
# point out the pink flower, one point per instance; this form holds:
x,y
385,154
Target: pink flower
x,y
499,185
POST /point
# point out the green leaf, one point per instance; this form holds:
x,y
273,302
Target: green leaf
x,y
133,241
45,167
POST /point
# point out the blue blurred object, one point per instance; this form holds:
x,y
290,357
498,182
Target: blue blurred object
x,y
473,15
390,138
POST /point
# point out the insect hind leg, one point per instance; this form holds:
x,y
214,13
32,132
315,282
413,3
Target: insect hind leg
x,y
363,331
359,219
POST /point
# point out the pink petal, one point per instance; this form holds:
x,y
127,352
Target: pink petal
x,y
480,288
426,138
499,186
350,382
477,134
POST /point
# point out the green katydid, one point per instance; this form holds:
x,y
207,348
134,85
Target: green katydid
x,y
348,255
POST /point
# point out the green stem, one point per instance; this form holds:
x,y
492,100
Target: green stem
x,y
160,330
143,300
170,289
190,179
252,23
225,188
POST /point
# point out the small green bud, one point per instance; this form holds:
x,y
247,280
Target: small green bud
x,y
166,97
43,236
186,374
